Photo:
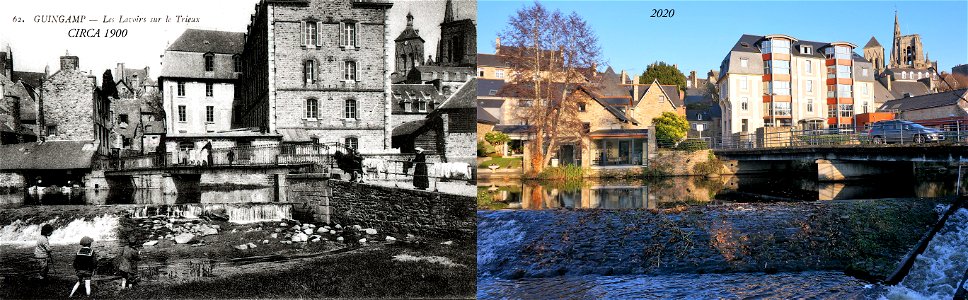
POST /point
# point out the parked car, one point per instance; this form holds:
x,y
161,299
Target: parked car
x,y
900,131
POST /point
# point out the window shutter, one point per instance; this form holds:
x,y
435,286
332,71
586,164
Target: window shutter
x,y
342,70
319,34
339,31
302,32
357,69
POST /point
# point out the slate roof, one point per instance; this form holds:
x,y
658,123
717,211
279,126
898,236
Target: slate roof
x,y
512,128
699,96
925,101
463,98
486,86
50,155
491,60
915,88
751,41
485,117
295,135
613,132
31,78
408,127
204,41
412,92
407,34
881,94
872,43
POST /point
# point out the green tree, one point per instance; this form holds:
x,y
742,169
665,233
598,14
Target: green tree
x,y
665,73
496,138
670,129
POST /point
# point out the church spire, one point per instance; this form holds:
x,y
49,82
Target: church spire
x,y
897,27
449,12
409,20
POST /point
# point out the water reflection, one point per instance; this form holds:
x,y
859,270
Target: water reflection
x,y
675,191
189,195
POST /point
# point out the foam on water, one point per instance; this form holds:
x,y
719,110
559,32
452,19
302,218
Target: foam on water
x,y
936,272
494,240
241,214
103,228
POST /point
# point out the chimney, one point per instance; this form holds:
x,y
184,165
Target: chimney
x,y
694,79
635,88
69,62
497,45
623,77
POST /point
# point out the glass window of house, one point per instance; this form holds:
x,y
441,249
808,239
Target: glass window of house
x,y
809,105
181,89
744,62
210,114
781,46
311,34
352,142
808,66
499,74
350,109
309,71
782,88
809,85
349,69
843,71
209,62
781,67
312,108
349,34
182,113
745,103
209,89
846,110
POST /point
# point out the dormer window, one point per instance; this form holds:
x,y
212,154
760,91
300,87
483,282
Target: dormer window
x,y
804,49
209,62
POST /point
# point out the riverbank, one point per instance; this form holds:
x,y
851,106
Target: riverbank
x,y
863,237
210,258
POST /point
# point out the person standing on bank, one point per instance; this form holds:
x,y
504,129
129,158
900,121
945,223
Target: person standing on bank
x,y
42,255
85,263
420,170
128,263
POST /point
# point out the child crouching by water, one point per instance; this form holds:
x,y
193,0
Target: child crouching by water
x,y
85,262
128,263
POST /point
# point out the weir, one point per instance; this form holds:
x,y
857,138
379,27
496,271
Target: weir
x,y
934,267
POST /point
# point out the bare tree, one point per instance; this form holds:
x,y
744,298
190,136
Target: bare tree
x,y
550,54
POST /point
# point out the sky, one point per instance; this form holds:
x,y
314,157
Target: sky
x,y
36,45
700,34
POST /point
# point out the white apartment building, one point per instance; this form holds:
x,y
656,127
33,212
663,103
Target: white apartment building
x,y
778,80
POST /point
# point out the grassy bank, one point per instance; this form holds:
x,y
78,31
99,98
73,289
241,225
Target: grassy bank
x,y
369,272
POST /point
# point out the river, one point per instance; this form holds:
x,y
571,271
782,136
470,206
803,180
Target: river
x,y
933,276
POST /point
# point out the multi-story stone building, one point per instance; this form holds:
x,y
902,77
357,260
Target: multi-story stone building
x,y
198,77
73,107
318,68
779,80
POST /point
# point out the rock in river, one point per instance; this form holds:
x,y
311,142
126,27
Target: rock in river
x,y
184,238
370,231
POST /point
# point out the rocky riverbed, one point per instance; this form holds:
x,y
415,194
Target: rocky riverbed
x,y
866,238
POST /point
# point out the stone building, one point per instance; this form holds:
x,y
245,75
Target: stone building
x,y
907,71
449,130
318,68
409,49
702,110
937,110
458,40
198,77
73,109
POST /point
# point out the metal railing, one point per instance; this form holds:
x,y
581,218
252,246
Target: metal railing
x,y
258,155
950,134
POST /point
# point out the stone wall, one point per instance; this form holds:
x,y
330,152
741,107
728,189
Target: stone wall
x,y
310,196
12,180
403,211
863,236
238,177
69,102
385,208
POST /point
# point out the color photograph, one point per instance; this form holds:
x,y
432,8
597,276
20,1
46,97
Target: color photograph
x,y
722,150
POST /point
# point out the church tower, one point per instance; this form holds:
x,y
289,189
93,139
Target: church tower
x,y
409,48
874,53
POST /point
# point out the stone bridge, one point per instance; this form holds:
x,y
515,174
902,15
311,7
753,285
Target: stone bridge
x,y
842,162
